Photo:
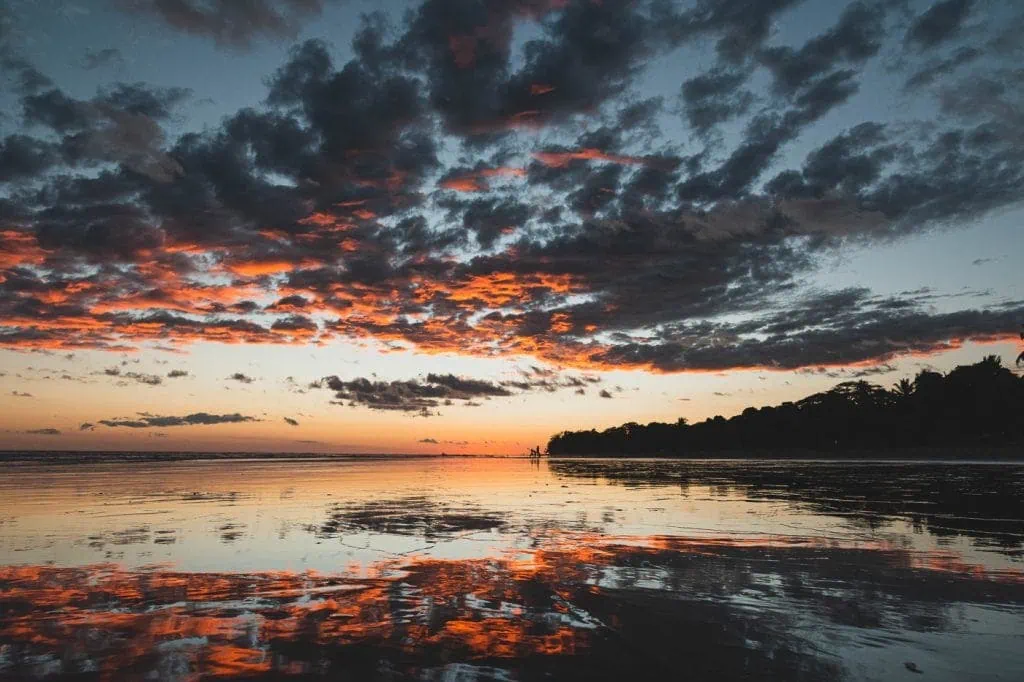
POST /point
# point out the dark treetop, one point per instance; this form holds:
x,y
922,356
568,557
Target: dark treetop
x,y
977,405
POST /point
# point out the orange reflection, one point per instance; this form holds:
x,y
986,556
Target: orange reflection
x,y
513,608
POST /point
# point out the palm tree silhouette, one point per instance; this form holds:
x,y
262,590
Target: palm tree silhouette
x,y
904,388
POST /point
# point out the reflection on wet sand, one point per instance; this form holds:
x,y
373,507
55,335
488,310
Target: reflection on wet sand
x,y
510,570
984,502
582,607
413,516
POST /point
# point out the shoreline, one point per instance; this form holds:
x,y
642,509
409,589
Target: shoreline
x,y
924,455
74,457
917,454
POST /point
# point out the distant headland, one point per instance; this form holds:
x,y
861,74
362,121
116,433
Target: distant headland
x,y
974,410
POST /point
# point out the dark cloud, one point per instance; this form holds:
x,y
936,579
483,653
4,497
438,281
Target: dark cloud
x,y
22,77
144,421
138,377
468,387
44,432
933,71
294,302
764,137
142,100
585,56
856,37
177,374
960,173
297,324
94,59
290,421
21,394
358,109
605,394
55,110
241,378
846,373
488,219
24,157
849,163
825,332
465,46
120,125
434,441
536,378
741,26
939,23
641,114
588,55
715,97
413,395
231,23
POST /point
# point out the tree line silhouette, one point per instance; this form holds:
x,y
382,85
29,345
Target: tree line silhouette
x,y
977,405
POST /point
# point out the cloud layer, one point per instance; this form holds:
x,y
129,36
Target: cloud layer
x,y
455,190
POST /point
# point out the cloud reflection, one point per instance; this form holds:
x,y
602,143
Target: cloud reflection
x,y
581,607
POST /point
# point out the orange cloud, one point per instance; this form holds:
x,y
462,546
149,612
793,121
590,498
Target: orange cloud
x,y
19,249
476,181
257,268
503,171
562,159
464,184
561,323
499,289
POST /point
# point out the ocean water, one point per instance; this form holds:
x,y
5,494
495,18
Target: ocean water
x,y
511,569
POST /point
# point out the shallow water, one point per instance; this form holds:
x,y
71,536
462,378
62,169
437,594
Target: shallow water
x,y
510,569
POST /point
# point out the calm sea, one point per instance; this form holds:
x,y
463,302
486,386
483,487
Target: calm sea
x,y
512,569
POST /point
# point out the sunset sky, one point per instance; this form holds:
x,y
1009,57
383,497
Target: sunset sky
x,y
464,225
